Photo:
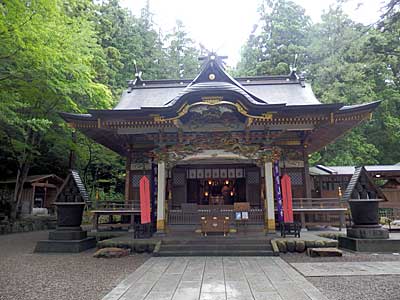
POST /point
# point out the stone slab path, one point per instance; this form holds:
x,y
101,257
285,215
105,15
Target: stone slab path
x,y
348,268
203,278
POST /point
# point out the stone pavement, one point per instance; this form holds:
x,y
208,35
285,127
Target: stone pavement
x,y
348,268
203,278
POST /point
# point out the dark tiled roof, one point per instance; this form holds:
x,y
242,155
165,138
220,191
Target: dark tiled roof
x,y
352,184
349,170
358,174
258,90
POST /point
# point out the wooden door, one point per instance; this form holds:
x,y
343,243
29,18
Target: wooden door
x,y
253,186
178,187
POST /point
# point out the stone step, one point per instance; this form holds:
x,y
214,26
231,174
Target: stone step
x,y
216,253
324,252
230,247
218,241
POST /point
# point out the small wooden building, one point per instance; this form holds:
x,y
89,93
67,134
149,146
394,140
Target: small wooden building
x,y
333,180
39,192
209,142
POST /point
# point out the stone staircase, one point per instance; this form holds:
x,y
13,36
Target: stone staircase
x,y
216,246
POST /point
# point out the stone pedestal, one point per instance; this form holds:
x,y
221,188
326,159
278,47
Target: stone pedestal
x,y
370,245
376,232
66,240
368,239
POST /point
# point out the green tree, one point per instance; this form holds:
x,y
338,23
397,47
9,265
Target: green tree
x,y
278,41
46,66
182,55
351,63
345,62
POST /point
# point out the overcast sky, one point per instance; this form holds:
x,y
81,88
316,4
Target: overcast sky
x,y
224,25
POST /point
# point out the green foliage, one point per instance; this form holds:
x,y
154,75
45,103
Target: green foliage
x,y
71,55
46,66
346,63
282,39
182,56
351,63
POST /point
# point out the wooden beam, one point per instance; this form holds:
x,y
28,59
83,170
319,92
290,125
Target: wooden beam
x,y
45,185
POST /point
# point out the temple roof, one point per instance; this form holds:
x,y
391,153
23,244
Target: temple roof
x,y
288,89
282,103
265,90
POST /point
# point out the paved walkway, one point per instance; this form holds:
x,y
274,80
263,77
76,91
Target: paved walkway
x,y
348,268
203,278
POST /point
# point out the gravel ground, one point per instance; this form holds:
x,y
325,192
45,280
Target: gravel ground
x,y
380,287
347,256
27,275
385,287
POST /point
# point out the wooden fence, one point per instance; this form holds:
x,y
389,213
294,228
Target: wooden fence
x,y
190,215
115,205
320,211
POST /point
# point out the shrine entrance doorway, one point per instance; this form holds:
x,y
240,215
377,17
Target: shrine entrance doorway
x,y
211,187
216,191
217,184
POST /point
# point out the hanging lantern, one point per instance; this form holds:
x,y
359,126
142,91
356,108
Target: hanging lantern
x,y
227,182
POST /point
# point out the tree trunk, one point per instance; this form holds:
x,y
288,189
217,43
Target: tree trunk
x,y
19,187
24,164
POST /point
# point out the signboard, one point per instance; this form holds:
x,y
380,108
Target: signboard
x,y
241,206
241,210
287,198
278,193
145,200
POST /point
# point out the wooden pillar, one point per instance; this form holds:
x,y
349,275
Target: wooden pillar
x,y
307,185
168,206
33,198
128,181
269,195
161,197
306,173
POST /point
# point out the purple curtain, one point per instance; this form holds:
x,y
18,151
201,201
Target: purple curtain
x,y
278,191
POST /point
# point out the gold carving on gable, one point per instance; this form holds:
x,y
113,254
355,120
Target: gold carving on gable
x,y
267,116
215,101
212,99
258,153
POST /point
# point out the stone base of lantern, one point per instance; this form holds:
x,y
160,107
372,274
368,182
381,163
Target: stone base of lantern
x,y
66,240
368,232
369,238
370,245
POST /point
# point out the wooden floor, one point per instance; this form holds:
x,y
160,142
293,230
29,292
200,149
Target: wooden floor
x,y
227,278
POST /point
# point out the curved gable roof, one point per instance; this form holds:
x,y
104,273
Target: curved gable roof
x,y
261,90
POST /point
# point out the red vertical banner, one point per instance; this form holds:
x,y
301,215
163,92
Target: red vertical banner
x,y
287,198
144,200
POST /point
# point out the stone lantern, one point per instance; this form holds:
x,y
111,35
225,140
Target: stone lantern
x,y
70,203
363,197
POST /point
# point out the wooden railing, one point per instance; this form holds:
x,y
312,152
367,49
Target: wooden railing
x,y
116,205
318,203
320,211
192,217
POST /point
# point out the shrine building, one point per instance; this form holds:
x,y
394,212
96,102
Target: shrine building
x,y
213,141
